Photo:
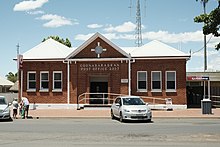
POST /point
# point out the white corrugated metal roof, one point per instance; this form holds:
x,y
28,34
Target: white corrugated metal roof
x,y
5,82
49,49
154,49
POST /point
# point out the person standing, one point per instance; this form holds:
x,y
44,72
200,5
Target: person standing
x,y
15,108
26,106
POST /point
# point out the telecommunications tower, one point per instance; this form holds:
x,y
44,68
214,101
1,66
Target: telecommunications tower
x,y
138,33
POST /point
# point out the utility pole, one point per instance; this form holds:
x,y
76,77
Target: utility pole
x,y
205,45
18,74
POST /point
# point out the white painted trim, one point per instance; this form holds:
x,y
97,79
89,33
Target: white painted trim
x,y
58,90
170,90
98,59
90,40
41,88
142,90
161,84
129,77
68,83
161,58
28,88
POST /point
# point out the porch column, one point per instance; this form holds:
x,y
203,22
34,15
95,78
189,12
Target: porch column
x,y
129,77
68,83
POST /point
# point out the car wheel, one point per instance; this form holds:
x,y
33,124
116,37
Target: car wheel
x,y
121,117
112,115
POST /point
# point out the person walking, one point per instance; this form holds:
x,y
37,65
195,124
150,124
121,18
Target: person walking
x,y
15,108
26,106
22,109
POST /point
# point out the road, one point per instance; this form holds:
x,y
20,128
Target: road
x,y
106,132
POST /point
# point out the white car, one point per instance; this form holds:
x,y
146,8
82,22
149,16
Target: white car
x,y
130,108
4,109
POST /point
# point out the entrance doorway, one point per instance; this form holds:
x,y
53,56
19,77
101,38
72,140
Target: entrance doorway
x,y
99,88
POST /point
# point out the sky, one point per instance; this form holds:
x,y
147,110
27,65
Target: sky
x,y
170,21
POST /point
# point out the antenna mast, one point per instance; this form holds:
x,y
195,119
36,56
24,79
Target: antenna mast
x,y
138,34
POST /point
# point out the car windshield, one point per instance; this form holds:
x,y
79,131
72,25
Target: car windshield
x,y
133,101
2,101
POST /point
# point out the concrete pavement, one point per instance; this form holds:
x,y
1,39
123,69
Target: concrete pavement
x,y
105,113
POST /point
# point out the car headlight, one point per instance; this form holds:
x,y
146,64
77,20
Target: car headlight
x,y
126,110
6,109
148,110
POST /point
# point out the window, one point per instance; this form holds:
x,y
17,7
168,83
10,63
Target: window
x,y
171,81
31,81
57,81
142,81
156,81
44,81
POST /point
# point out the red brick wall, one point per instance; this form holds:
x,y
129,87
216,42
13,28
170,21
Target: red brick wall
x,y
45,97
80,79
178,97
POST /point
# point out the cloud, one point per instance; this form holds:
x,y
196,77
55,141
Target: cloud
x,y
83,37
124,28
167,37
35,12
163,36
160,35
94,26
29,5
56,21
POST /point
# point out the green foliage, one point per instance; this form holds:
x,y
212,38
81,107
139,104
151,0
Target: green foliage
x,y
211,22
12,77
61,40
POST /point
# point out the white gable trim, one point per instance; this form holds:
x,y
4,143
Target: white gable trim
x,y
90,40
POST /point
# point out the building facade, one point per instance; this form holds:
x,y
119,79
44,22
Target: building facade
x,y
55,74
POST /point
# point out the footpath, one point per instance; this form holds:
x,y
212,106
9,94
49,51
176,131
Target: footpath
x,y
105,113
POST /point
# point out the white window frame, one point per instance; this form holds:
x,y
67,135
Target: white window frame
x,y
142,90
60,89
170,90
156,90
28,81
41,88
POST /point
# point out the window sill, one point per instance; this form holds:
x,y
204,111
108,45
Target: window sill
x,y
171,90
31,90
153,90
141,90
57,90
44,90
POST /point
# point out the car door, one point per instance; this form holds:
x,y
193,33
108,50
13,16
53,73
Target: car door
x,y
117,107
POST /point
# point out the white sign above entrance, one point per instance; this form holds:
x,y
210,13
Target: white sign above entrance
x,y
99,67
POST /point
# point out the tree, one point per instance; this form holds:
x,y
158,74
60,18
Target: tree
x,y
12,77
211,22
61,40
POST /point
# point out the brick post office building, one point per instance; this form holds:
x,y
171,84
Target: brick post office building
x,y
53,74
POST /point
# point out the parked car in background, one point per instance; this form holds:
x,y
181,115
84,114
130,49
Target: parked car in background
x,y
130,108
4,109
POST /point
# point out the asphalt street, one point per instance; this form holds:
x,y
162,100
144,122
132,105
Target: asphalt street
x,y
106,132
